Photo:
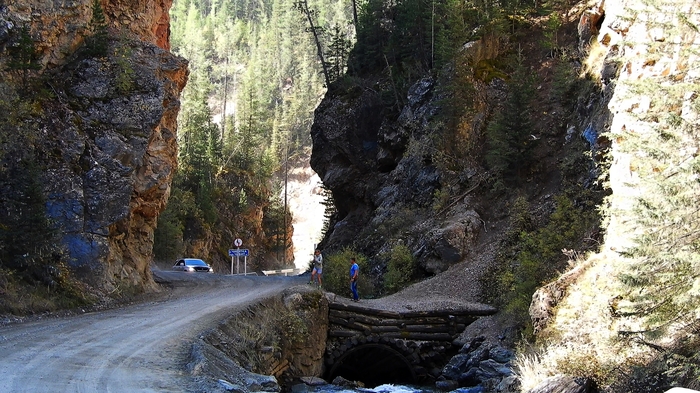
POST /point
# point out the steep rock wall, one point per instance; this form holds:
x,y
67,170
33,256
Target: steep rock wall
x,y
641,54
625,54
59,27
380,183
109,134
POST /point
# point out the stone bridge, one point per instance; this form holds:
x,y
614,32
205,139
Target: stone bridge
x,y
406,343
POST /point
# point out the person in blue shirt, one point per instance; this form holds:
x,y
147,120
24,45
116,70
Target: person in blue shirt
x,y
354,272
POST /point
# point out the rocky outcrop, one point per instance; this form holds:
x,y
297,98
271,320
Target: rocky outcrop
x,y
278,339
108,134
59,28
345,143
482,366
116,153
586,307
382,187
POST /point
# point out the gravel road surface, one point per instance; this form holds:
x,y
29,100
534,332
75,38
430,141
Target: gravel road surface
x,y
139,348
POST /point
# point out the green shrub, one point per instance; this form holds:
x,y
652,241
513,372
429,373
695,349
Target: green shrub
x,y
400,269
336,273
398,223
441,199
540,258
532,256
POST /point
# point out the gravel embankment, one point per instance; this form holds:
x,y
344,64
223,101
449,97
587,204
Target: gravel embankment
x,y
457,288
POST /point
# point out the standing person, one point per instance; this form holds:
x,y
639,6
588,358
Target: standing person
x,y
318,267
354,272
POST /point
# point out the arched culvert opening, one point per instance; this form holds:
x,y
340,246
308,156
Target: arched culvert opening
x,y
374,365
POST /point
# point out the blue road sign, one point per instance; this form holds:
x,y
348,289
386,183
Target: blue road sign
x,y
239,252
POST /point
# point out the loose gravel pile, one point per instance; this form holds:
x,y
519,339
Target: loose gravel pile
x,y
457,288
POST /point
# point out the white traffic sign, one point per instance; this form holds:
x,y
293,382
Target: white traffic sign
x,y
237,242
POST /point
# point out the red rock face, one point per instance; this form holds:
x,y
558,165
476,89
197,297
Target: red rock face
x,y
135,129
161,29
59,28
149,20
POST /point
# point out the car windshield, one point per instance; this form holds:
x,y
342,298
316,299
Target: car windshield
x,y
195,262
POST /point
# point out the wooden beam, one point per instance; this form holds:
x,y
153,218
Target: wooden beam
x,y
421,336
343,333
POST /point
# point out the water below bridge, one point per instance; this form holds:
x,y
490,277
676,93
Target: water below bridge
x,y
384,388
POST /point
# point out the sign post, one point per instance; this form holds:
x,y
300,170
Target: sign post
x,y
238,243
238,252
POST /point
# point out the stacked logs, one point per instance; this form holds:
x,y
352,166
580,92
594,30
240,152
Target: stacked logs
x,y
424,326
421,336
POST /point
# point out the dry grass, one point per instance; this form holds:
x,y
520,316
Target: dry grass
x,y
593,64
20,297
582,339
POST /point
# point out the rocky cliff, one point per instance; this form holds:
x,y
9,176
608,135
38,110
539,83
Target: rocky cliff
x,y
59,28
108,130
642,53
360,154
417,175
637,101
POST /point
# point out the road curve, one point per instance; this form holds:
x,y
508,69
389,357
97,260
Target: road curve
x,y
140,348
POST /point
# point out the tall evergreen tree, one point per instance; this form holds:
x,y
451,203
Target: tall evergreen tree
x,y
337,53
509,133
97,41
27,237
372,39
23,57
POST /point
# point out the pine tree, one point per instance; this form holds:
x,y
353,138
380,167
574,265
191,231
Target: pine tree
x,y
23,57
27,236
509,134
97,42
337,53
303,7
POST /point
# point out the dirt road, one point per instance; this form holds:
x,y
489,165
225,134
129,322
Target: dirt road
x,y
140,348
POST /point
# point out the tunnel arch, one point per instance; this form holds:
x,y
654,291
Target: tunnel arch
x,y
374,365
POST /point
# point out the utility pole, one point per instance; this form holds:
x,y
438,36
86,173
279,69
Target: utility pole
x,y
286,178
432,37
223,116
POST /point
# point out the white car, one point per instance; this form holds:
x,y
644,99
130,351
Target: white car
x,y
192,265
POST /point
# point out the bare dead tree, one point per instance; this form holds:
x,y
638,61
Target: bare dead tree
x,y
303,7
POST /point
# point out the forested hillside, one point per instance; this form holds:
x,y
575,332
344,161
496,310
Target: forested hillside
x,y
255,79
